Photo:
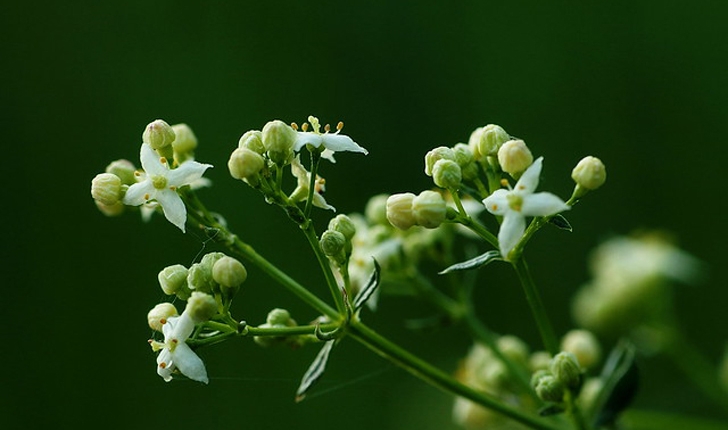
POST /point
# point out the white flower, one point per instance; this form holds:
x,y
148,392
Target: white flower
x,y
175,353
160,183
304,181
332,142
516,204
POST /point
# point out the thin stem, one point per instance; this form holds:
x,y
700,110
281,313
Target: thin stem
x,y
323,261
538,310
478,229
315,158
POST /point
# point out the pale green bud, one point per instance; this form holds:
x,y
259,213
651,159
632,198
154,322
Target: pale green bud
x,y
539,360
278,139
514,349
106,189
435,155
157,317
548,388
589,173
229,272
491,139
399,210
252,140
565,368
280,318
172,279
447,174
333,243
158,134
466,160
376,209
185,140
110,210
245,163
124,169
429,209
514,157
199,278
344,225
585,347
201,307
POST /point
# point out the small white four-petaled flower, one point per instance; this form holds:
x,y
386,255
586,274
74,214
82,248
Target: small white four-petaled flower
x,y
518,203
332,142
175,353
160,183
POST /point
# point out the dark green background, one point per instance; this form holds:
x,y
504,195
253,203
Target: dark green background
x,y
641,84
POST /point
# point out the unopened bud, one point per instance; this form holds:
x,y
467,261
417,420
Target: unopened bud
x,y
565,368
447,174
491,139
514,157
514,349
229,272
157,317
399,210
585,347
124,169
106,189
245,163
252,140
547,387
333,243
110,210
429,209
158,134
589,173
344,225
185,140
172,279
376,209
435,155
201,307
278,139
280,318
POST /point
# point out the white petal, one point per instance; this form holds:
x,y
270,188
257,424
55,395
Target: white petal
x,y
304,138
340,142
320,202
173,207
182,328
329,155
150,161
497,203
189,363
543,204
514,224
529,179
186,173
139,193
165,365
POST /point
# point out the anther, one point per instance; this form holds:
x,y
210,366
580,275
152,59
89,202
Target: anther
x,y
137,173
173,188
162,160
163,321
327,128
339,126
146,196
163,365
294,126
504,182
304,126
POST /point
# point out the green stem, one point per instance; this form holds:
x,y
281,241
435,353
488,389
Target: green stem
x,y
287,331
315,158
574,412
538,310
478,229
323,261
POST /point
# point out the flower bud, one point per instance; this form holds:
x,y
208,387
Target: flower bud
x,y
158,134
280,318
124,169
106,189
199,278
399,210
514,157
466,160
514,349
252,140
184,144
589,173
376,210
539,360
110,210
548,388
172,279
333,244
278,139
245,163
229,272
435,155
157,317
447,174
429,209
201,307
344,225
491,139
565,368
585,347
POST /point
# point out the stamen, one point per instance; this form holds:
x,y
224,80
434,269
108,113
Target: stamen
x,y
304,126
137,173
504,182
175,341
163,365
173,188
339,126
150,341
146,196
163,321
327,128
494,207
294,126
163,160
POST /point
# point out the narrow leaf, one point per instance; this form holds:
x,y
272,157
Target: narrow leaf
x,y
371,286
315,371
474,263
561,222
620,378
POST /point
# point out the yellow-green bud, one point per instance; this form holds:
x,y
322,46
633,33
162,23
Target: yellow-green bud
x,y
172,279
429,209
158,134
199,278
344,225
229,272
201,307
589,173
491,139
124,169
376,209
106,189
280,318
514,157
252,140
548,388
110,210
447,174
539,360
278,139
399,210
245,163
565,368
585,347
435,155
466,160
514,349
333,243
157,317
185,140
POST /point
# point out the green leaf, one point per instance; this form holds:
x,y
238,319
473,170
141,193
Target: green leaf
x,y
620,378
551,409
474,263
371,286
315,371
560,222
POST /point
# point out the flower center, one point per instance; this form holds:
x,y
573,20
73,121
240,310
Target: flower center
x,y
159,182
515,201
